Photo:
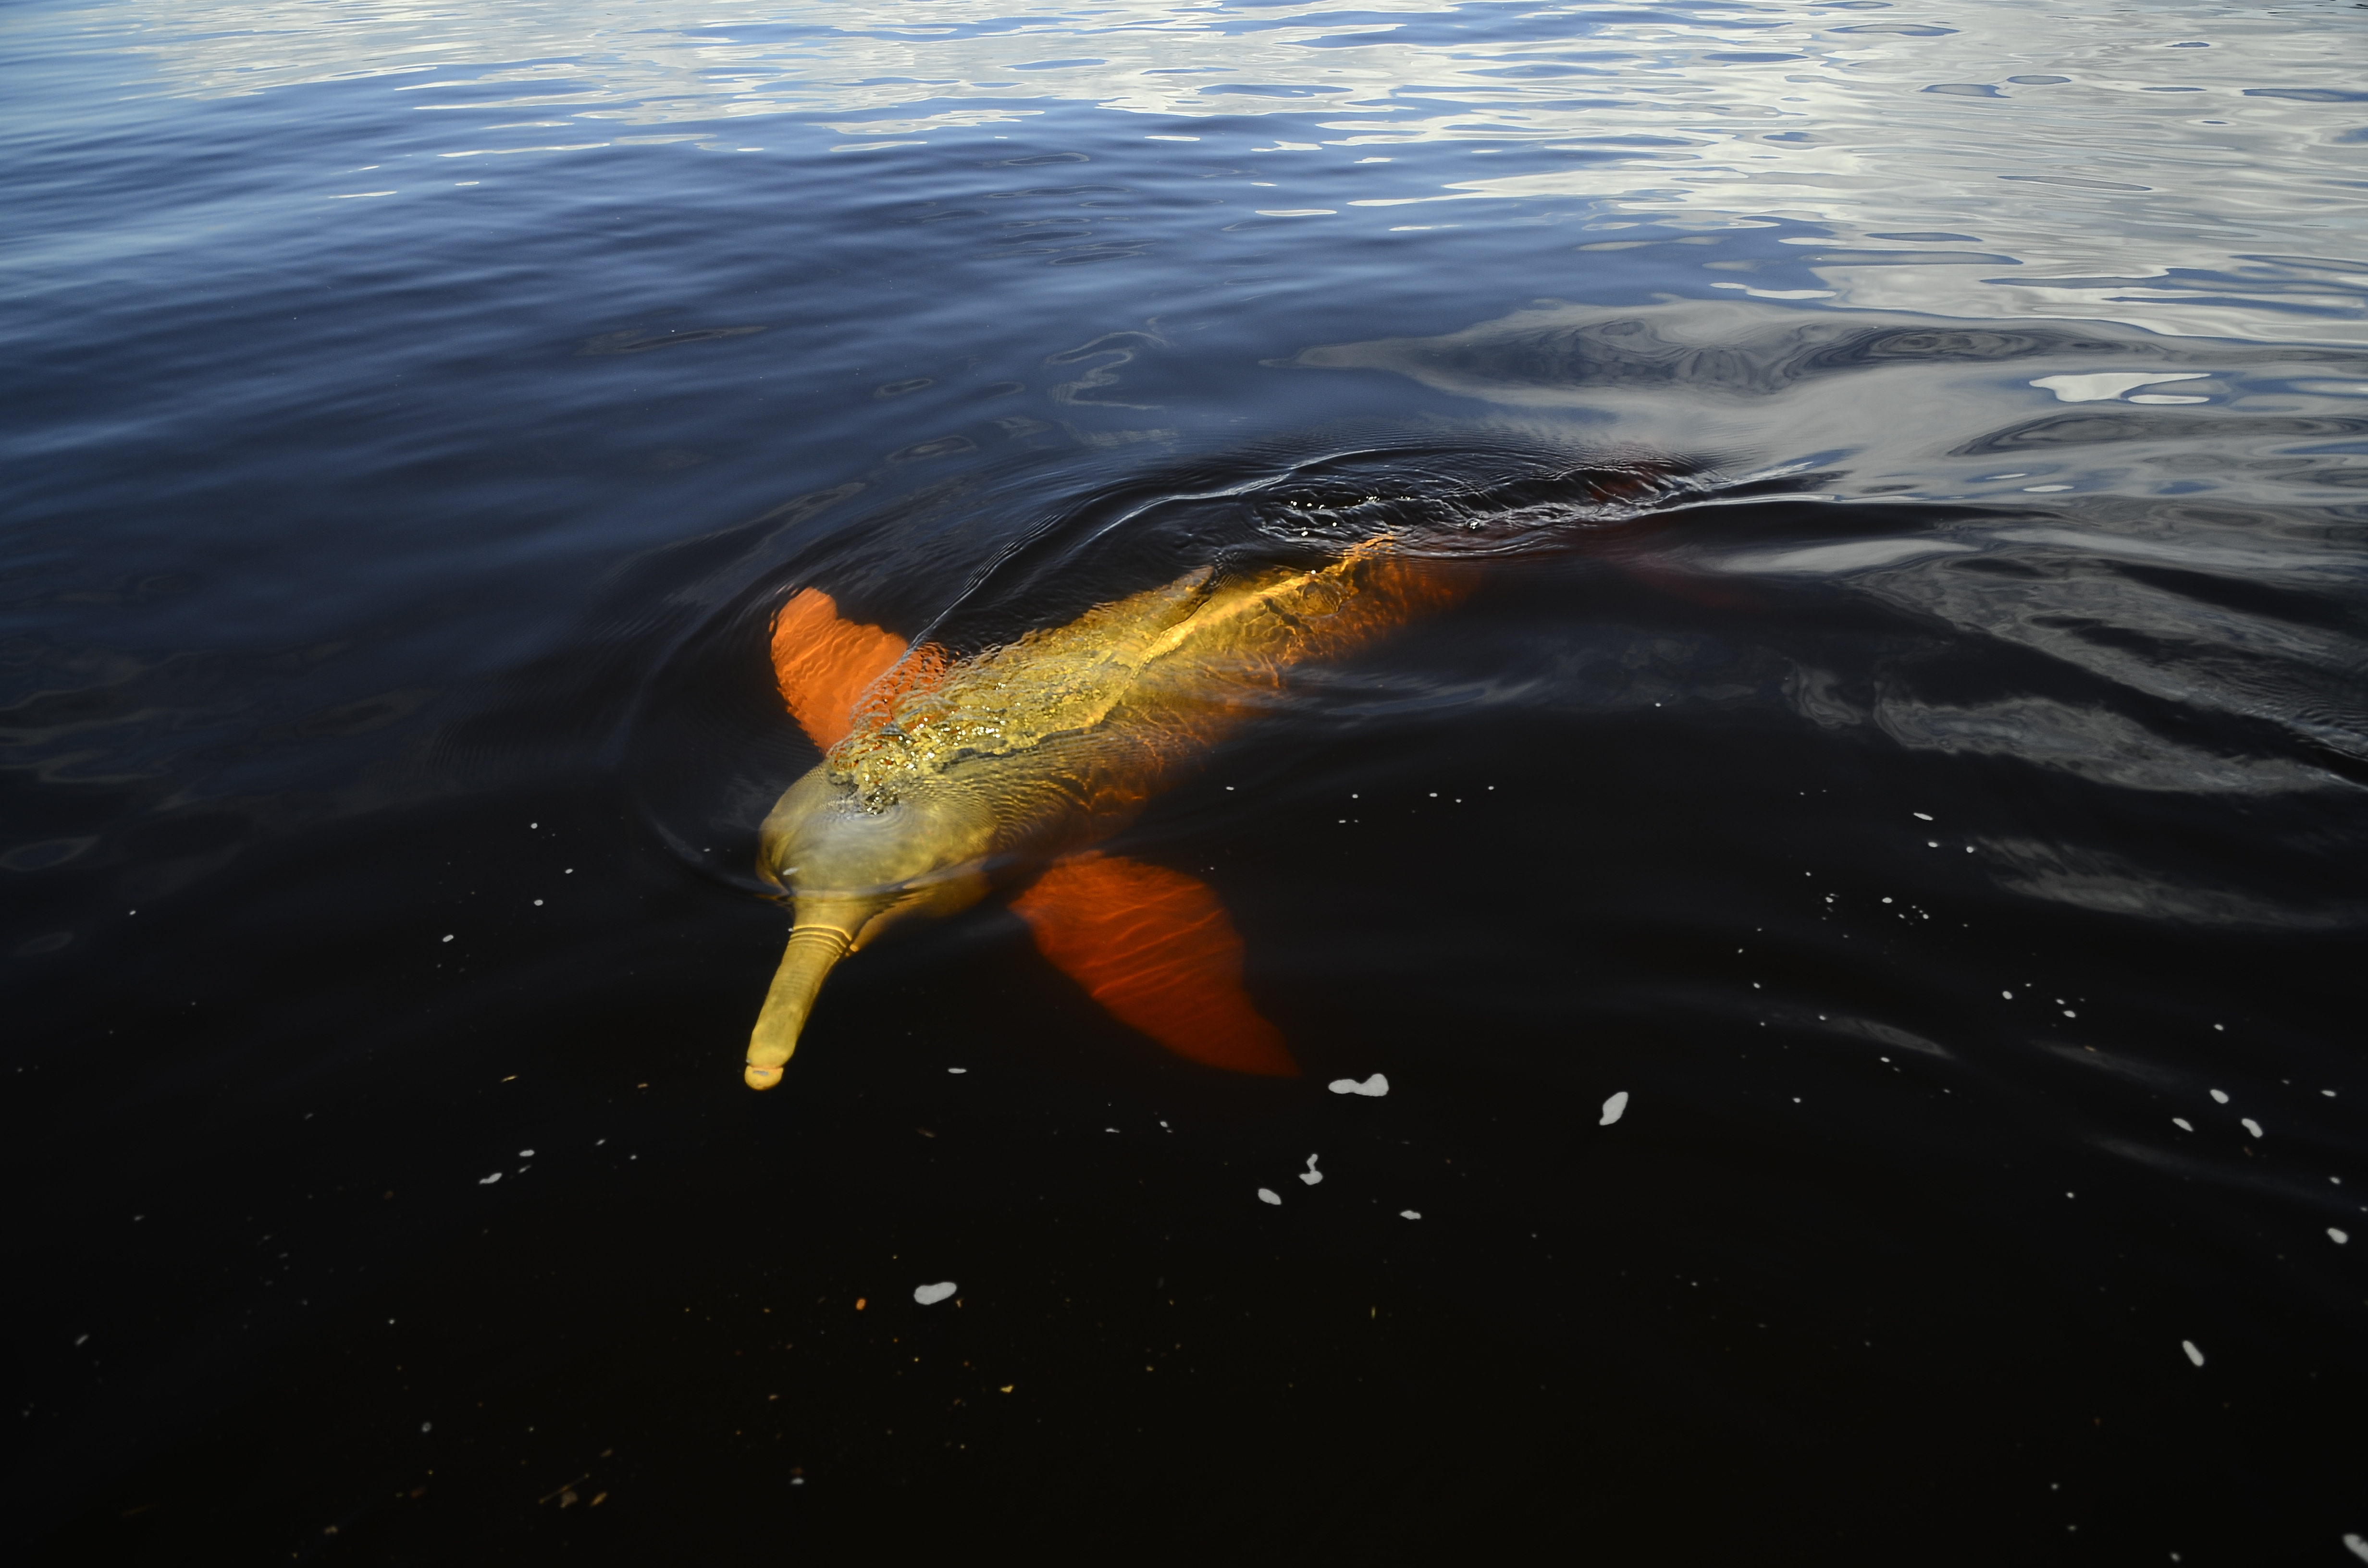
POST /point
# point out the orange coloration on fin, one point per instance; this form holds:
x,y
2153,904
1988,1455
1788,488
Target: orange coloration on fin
x,y
824,664
1154,948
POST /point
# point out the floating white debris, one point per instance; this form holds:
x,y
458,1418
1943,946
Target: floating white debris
x,y
490,1179
2007,994
1408,1214
2340,1238
1614,1108
1311,1175
448,935
2249,1125
427,1425
1268,1195
2357,1547
1375,1087
2219,1098
2183,1124
957,1069
1921,816
2192,1353
930,1295
2098,386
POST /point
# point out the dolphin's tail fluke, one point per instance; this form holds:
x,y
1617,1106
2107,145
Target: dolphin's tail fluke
x,y
813,951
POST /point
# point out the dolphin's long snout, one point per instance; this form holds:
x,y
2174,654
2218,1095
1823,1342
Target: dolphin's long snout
x,y
807,961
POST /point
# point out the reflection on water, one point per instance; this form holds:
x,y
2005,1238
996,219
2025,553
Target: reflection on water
x,y
1897,735
2183,170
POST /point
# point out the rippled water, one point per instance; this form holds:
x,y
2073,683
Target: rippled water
x,y
1932,799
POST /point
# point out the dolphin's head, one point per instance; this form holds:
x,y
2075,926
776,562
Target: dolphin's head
x,y
852,869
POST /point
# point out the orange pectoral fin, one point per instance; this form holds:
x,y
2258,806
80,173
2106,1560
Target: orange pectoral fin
x,y
1154,948
824,663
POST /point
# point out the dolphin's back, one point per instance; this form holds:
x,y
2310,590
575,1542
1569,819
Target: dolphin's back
x,y
1115,698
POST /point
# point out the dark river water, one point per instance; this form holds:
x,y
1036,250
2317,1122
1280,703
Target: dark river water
x,y
1855,920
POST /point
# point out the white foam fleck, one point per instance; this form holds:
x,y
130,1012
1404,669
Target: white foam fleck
x,y
930,1295
2340,1238
490,1179
1374,1086
1614,1108
1408,1214
957,1069
448,935
1269,1194
2192,1353
2219,1096
2357,1547
1921,816
2098,386
1311,1175
2183,1124
526,1154
2007,994
2249,1125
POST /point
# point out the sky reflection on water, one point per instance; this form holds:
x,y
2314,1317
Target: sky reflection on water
x,y
2185,169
